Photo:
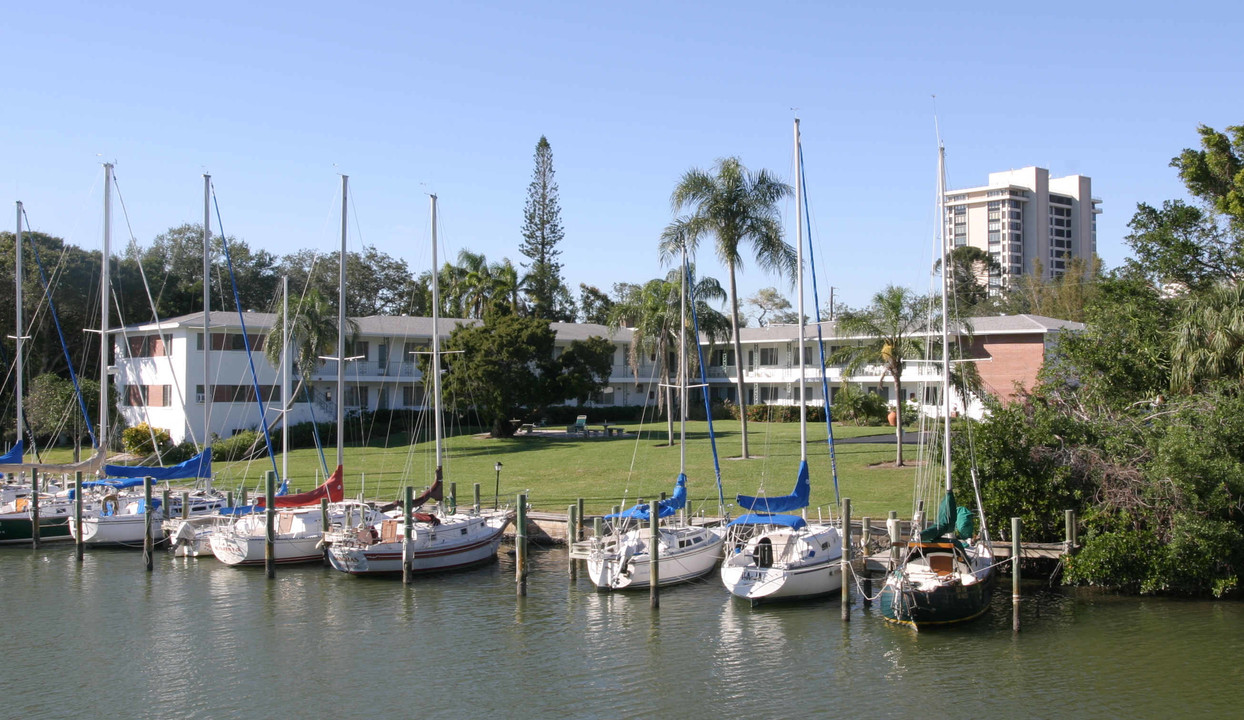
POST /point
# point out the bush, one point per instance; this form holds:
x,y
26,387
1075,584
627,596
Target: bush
x,y
246,445
181,452
137,440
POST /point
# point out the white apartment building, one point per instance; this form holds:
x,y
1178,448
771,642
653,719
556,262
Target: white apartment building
x,y
1025,215
159,369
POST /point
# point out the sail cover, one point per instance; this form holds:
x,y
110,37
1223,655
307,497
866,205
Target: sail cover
x,y
665,508
791,521
333,489
947,514
199,466
797,500
14,456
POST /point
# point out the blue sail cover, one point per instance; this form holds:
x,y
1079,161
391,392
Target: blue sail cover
x,y
14,456
199,466
791,521
114,484
797,500
665,508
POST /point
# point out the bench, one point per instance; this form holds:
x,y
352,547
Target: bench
x,y
527,428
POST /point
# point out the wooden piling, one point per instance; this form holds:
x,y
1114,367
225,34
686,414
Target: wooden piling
x,y
34,508
408,509
1069,519
325,526
572,523
475,499
846,559
77,517
185,505
520,546
579,528
229,499
165,499
865,536
654,554
147,544
1015,553
453,498
269,548
896,537
598,527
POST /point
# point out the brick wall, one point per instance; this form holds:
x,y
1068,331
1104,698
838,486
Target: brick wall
x,y
1013,359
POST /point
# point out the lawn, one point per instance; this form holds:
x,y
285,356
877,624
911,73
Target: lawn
x,y
607,472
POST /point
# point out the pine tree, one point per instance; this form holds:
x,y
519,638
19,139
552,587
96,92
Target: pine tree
x,y
542,231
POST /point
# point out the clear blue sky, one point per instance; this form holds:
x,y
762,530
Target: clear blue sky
x,y
274,99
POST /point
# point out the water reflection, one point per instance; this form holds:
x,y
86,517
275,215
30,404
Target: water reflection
x,y
197,639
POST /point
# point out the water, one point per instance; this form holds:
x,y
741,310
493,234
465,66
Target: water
x,y
196,639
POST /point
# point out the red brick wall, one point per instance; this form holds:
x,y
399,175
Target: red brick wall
x,y
1013,358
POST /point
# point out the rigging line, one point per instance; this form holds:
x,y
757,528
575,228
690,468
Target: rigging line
x,y
708,408
4,357
158,323
820,341
259,397
60,333
125,337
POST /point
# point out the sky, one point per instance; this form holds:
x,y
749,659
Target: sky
x,y
277,99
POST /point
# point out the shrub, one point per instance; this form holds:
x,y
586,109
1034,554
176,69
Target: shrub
x,y
246,445
137,440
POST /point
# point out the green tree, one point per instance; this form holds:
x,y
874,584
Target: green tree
x,y
1215,173
1183,244
585,367
313,332
971,270
542,231
376,283
736,207
1209,337
771,307
887,334
53,410
594,305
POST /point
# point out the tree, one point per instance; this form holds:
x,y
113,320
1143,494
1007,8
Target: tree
x,y
542,231
1183,244
585,367
53,410
1065,297
886,333
1215,173
594,305
971,270
312,330
506,364
735,206
376,283
1209,338
768,301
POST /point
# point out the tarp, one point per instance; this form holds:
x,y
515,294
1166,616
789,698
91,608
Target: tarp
x,y
199,466
14,456
333,489
797,500
947,513
965,524
665,507
114,484
791,521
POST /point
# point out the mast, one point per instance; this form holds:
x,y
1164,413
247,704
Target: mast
x,y
21,415
941,237
285,403
207,309
803,390
104,287
682,365
341,328
436,345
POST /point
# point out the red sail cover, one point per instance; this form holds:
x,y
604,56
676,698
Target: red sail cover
x,y
334,490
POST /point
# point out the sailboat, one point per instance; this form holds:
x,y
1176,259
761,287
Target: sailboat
x,y
299,532
441,540
772,555
945,573
622,560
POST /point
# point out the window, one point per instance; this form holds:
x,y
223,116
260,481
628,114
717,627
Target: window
x,y
412,396
356,397
357,348
768,356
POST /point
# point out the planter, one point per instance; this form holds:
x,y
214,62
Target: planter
x,y
892,418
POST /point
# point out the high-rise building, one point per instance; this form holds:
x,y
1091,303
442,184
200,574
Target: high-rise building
x,y
1023,216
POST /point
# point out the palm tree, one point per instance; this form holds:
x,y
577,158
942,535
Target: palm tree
x,y
652,312
886,330
1209,339
313,331
735,206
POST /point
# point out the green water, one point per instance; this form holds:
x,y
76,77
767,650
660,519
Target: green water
x,y
195,639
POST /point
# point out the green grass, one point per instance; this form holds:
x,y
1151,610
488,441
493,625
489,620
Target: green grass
x,y
554,472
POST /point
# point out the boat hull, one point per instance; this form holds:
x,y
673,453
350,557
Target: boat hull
x,y
15,528
234,550
773,584
120,530
617,571
428,554
948,604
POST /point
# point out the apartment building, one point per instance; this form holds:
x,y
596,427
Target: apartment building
x,y
1025,215
159,373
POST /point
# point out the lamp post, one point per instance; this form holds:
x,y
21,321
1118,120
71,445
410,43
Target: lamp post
x,y
496,492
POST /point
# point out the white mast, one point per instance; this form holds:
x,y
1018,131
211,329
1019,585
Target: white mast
x,y
104,288
207,309
803,389
21,415
941,237
436,345
341,328
682,365
285,401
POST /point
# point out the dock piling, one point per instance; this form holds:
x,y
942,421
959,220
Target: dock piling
x,y
1015,553
475,499
1069,519
520,546
894,528
572,523
185,505
34,508
77,517
269,548
654,554
865,536
147,544
846,559
408,508
325,526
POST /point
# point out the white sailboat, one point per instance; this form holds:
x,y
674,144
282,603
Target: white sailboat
x,y
945,574
441,540
775,556
622,560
